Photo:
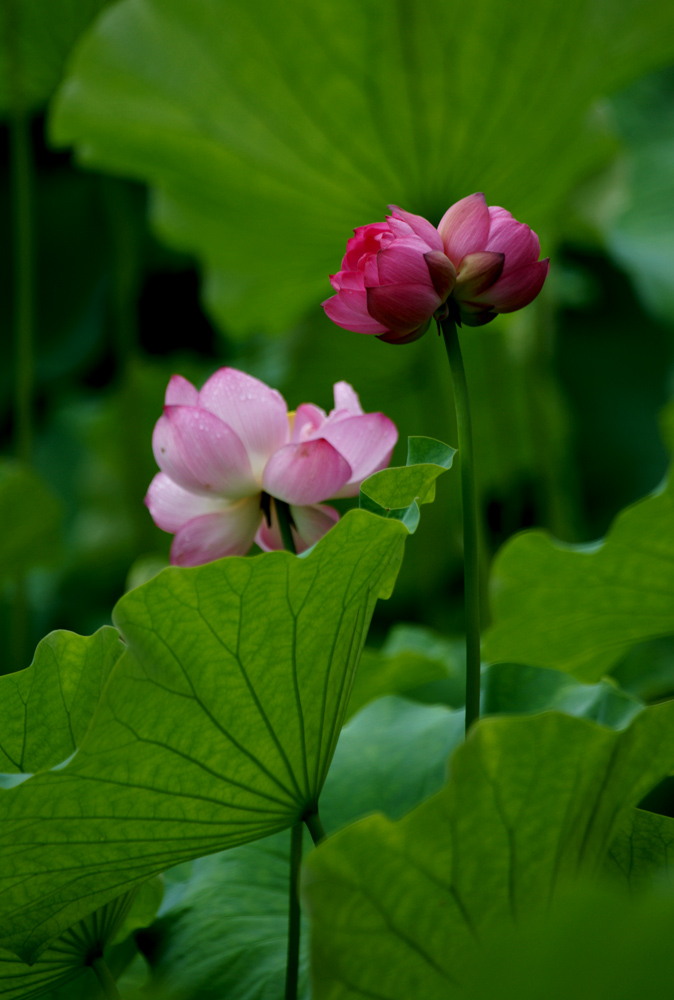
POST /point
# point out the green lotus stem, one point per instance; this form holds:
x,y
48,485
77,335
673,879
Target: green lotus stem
x,y
315,827
293,961
24,278
469,507
285,522
104,976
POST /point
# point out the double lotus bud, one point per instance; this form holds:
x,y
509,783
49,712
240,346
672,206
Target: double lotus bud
x,y
397,274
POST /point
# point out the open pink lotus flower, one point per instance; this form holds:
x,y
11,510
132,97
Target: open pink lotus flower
x,y
227,452
397,274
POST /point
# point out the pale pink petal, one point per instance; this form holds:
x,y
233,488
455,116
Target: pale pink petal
x,y
517,241
212,536
306,473
312,522
201,453
402,263
515,290
349,310
464,227
346,398
180,392
256,413
307,421
171,506
366,442
401,230
422,227
401,308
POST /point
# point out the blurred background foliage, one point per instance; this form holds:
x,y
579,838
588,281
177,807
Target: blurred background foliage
x,y
193,170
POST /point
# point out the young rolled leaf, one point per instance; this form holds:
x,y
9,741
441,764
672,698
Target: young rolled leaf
x,y
580,608
403,909
217,726
398,492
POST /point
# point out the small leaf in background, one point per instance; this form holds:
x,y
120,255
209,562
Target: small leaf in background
x,y
509,688
45,709
68,958
241,138
398,492
415,662
579,609
404,909
30,521
37,37
217,726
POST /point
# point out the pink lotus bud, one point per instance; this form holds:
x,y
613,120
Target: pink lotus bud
x,y
229,452
397,274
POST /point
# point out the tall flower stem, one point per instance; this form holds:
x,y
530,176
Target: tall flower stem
x,y
105,978
469,508
293,962
21,158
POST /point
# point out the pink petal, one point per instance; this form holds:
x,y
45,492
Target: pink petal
x,y
464,227
212,536
402,263
312,522
256,413
306,473
422,227
346,398
171,506
478,272
402,308
517,289
180,392
405,338
442,272
349,310
517,241
366,240
307,421
366,442
354,281
201,453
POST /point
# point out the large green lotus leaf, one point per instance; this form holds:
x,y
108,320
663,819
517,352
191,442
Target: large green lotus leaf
x,y
30,520
224,931
216,727
401,909
37,36
305,120
68,957
642,850
594,945
580,608
45,709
